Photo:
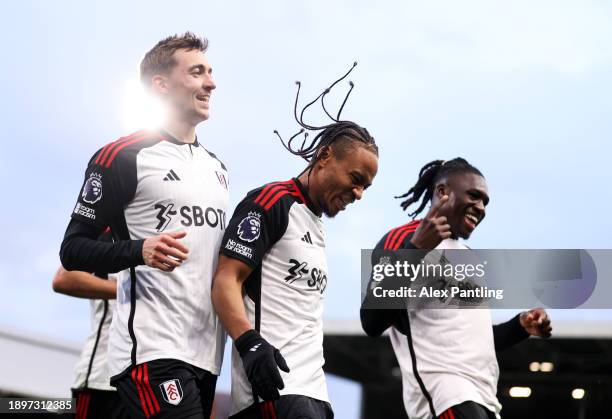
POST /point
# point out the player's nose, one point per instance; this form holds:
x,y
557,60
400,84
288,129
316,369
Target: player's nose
x,y
209,83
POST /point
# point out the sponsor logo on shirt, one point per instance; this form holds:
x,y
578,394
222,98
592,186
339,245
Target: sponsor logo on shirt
x,y
85,211
240,249
315,278
164,215
92,190
250,227
193,215
171,391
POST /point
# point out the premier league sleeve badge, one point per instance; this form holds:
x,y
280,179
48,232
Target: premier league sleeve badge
x,y
92,190
249,228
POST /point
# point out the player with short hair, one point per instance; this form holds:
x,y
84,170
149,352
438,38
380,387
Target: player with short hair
x,y
272,273
165,198
447,356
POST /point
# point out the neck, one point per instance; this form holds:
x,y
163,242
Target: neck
x,y
304,179
181,129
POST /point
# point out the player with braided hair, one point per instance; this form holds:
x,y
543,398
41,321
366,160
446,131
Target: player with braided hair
x,y
447,356
274,251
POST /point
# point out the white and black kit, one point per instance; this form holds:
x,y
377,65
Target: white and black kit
x,y
275,231
141,186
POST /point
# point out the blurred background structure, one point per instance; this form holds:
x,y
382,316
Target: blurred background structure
x,y
569,376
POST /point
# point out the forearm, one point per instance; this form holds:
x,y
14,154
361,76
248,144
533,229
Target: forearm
x,y
82,251
84,285
509,333
375,321
227,300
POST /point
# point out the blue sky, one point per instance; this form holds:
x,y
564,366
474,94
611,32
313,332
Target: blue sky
x,y
522,90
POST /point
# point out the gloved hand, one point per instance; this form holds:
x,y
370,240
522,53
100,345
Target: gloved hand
x,y
261,363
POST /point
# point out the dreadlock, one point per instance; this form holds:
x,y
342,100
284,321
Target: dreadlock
x,y
338,132
429,176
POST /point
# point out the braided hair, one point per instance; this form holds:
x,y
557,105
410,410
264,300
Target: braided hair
x,y
339,132
429,176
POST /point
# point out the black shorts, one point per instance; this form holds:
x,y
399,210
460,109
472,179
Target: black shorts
x,y
166,388
467,410
290,406
98,404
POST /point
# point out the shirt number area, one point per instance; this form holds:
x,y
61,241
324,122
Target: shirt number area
x,y
315,278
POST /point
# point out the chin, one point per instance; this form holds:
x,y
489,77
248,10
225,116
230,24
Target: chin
x,y
330,213
203,116
464,234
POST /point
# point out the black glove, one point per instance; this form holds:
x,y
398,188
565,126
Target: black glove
x,y
261,363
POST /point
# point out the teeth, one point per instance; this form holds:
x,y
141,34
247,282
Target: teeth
x,y
472,218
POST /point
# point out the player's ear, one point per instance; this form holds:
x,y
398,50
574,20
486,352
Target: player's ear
x,y
324,155
441,190
159,83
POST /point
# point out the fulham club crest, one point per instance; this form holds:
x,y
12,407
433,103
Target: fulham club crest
x,y
222,179
171,391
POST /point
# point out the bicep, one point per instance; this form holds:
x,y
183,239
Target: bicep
x,y
230,268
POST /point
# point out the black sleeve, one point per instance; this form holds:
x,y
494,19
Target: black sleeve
x,y
253,230
509,333
106,190
81,250
375,321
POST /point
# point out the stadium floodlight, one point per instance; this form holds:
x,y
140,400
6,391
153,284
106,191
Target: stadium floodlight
x,y
520,392
547,366
578,393
140,109
534,367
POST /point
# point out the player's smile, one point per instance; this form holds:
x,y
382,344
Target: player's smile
x,y
471,219
203,99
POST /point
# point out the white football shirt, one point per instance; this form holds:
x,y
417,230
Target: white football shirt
x,y
274,231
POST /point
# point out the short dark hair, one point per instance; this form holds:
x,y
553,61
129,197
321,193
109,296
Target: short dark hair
x,y
160,60
429,176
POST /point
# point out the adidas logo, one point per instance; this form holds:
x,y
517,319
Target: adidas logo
x,y
172,176
307,238
255,347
